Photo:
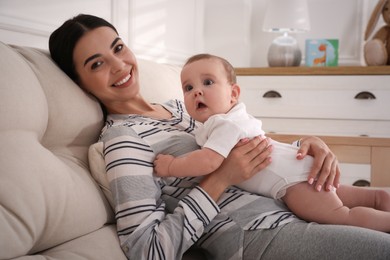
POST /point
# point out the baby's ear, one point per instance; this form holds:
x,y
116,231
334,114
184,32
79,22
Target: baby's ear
x,y
235,92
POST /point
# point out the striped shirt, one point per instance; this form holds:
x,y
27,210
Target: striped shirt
x,y
161,218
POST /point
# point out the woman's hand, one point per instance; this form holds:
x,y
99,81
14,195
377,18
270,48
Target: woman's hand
x,y
246,159
325,167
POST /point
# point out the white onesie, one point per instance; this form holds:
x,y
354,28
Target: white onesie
x,y
222,132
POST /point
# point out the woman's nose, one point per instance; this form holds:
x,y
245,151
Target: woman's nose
x,y
116,65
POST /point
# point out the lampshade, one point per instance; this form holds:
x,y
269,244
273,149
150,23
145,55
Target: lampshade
x,y
287,16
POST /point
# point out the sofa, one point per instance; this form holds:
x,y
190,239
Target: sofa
x,y
51,207
54,203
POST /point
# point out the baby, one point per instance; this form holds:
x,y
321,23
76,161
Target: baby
x,y
211,96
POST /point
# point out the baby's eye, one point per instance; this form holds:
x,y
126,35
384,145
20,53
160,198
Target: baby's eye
x,y
96,65
188,88
118,48
208,82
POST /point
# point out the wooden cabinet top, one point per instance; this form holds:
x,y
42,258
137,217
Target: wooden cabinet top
x,y
336,140
302,70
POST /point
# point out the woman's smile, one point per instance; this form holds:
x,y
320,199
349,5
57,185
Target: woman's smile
x,y
122,83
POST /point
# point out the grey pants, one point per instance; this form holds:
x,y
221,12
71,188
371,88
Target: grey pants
x,y
300,240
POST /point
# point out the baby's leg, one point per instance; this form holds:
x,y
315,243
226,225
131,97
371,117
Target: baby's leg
x,y
353,196
327,208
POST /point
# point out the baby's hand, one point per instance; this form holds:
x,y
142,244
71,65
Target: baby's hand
x,y
161,164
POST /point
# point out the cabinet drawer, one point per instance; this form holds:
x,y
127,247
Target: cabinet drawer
x,y
330,127
380,174
352,153
315,97
353,173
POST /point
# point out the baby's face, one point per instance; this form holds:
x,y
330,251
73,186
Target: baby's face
x,y
206,89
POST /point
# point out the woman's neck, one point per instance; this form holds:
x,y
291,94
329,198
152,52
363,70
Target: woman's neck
x,y
140,106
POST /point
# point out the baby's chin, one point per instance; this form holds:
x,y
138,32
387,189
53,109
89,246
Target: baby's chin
x,y
202,119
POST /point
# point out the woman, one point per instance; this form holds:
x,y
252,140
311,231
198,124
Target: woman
x,y
162,218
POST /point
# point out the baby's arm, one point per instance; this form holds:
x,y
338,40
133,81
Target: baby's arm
x,y
196,163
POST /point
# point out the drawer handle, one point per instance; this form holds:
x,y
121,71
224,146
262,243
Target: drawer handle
x,y
365,95
272,94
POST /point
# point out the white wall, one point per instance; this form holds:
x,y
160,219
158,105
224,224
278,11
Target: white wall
x,y
227,30
345,20
172,30
166,30
30,22
162,30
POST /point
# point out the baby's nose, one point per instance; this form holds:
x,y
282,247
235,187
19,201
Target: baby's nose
x,y
198,92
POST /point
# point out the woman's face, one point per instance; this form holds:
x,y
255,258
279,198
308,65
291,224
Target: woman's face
x,y
106,67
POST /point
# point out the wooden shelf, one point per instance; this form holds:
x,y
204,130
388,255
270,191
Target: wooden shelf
x,y
302,70
339,140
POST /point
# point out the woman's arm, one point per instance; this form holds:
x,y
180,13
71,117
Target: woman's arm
x,y
245,160
145,229
325,166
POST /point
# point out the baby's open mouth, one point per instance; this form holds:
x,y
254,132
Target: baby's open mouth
x,y
200,105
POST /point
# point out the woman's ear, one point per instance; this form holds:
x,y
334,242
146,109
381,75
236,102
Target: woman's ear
x,y
235,93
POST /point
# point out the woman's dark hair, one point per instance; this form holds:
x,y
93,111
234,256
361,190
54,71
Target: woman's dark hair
x,y
63,40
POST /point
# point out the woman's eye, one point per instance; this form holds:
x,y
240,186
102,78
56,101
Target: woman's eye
x,y
96,65
188,88
118,48
208,82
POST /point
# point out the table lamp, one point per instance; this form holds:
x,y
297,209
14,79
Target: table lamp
x,y
286,16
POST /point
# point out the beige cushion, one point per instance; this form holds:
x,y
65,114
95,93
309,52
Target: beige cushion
x,y
165,79
159,82
47,194
102,244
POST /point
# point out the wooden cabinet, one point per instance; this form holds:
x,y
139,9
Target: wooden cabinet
x,y
349,107
369,153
